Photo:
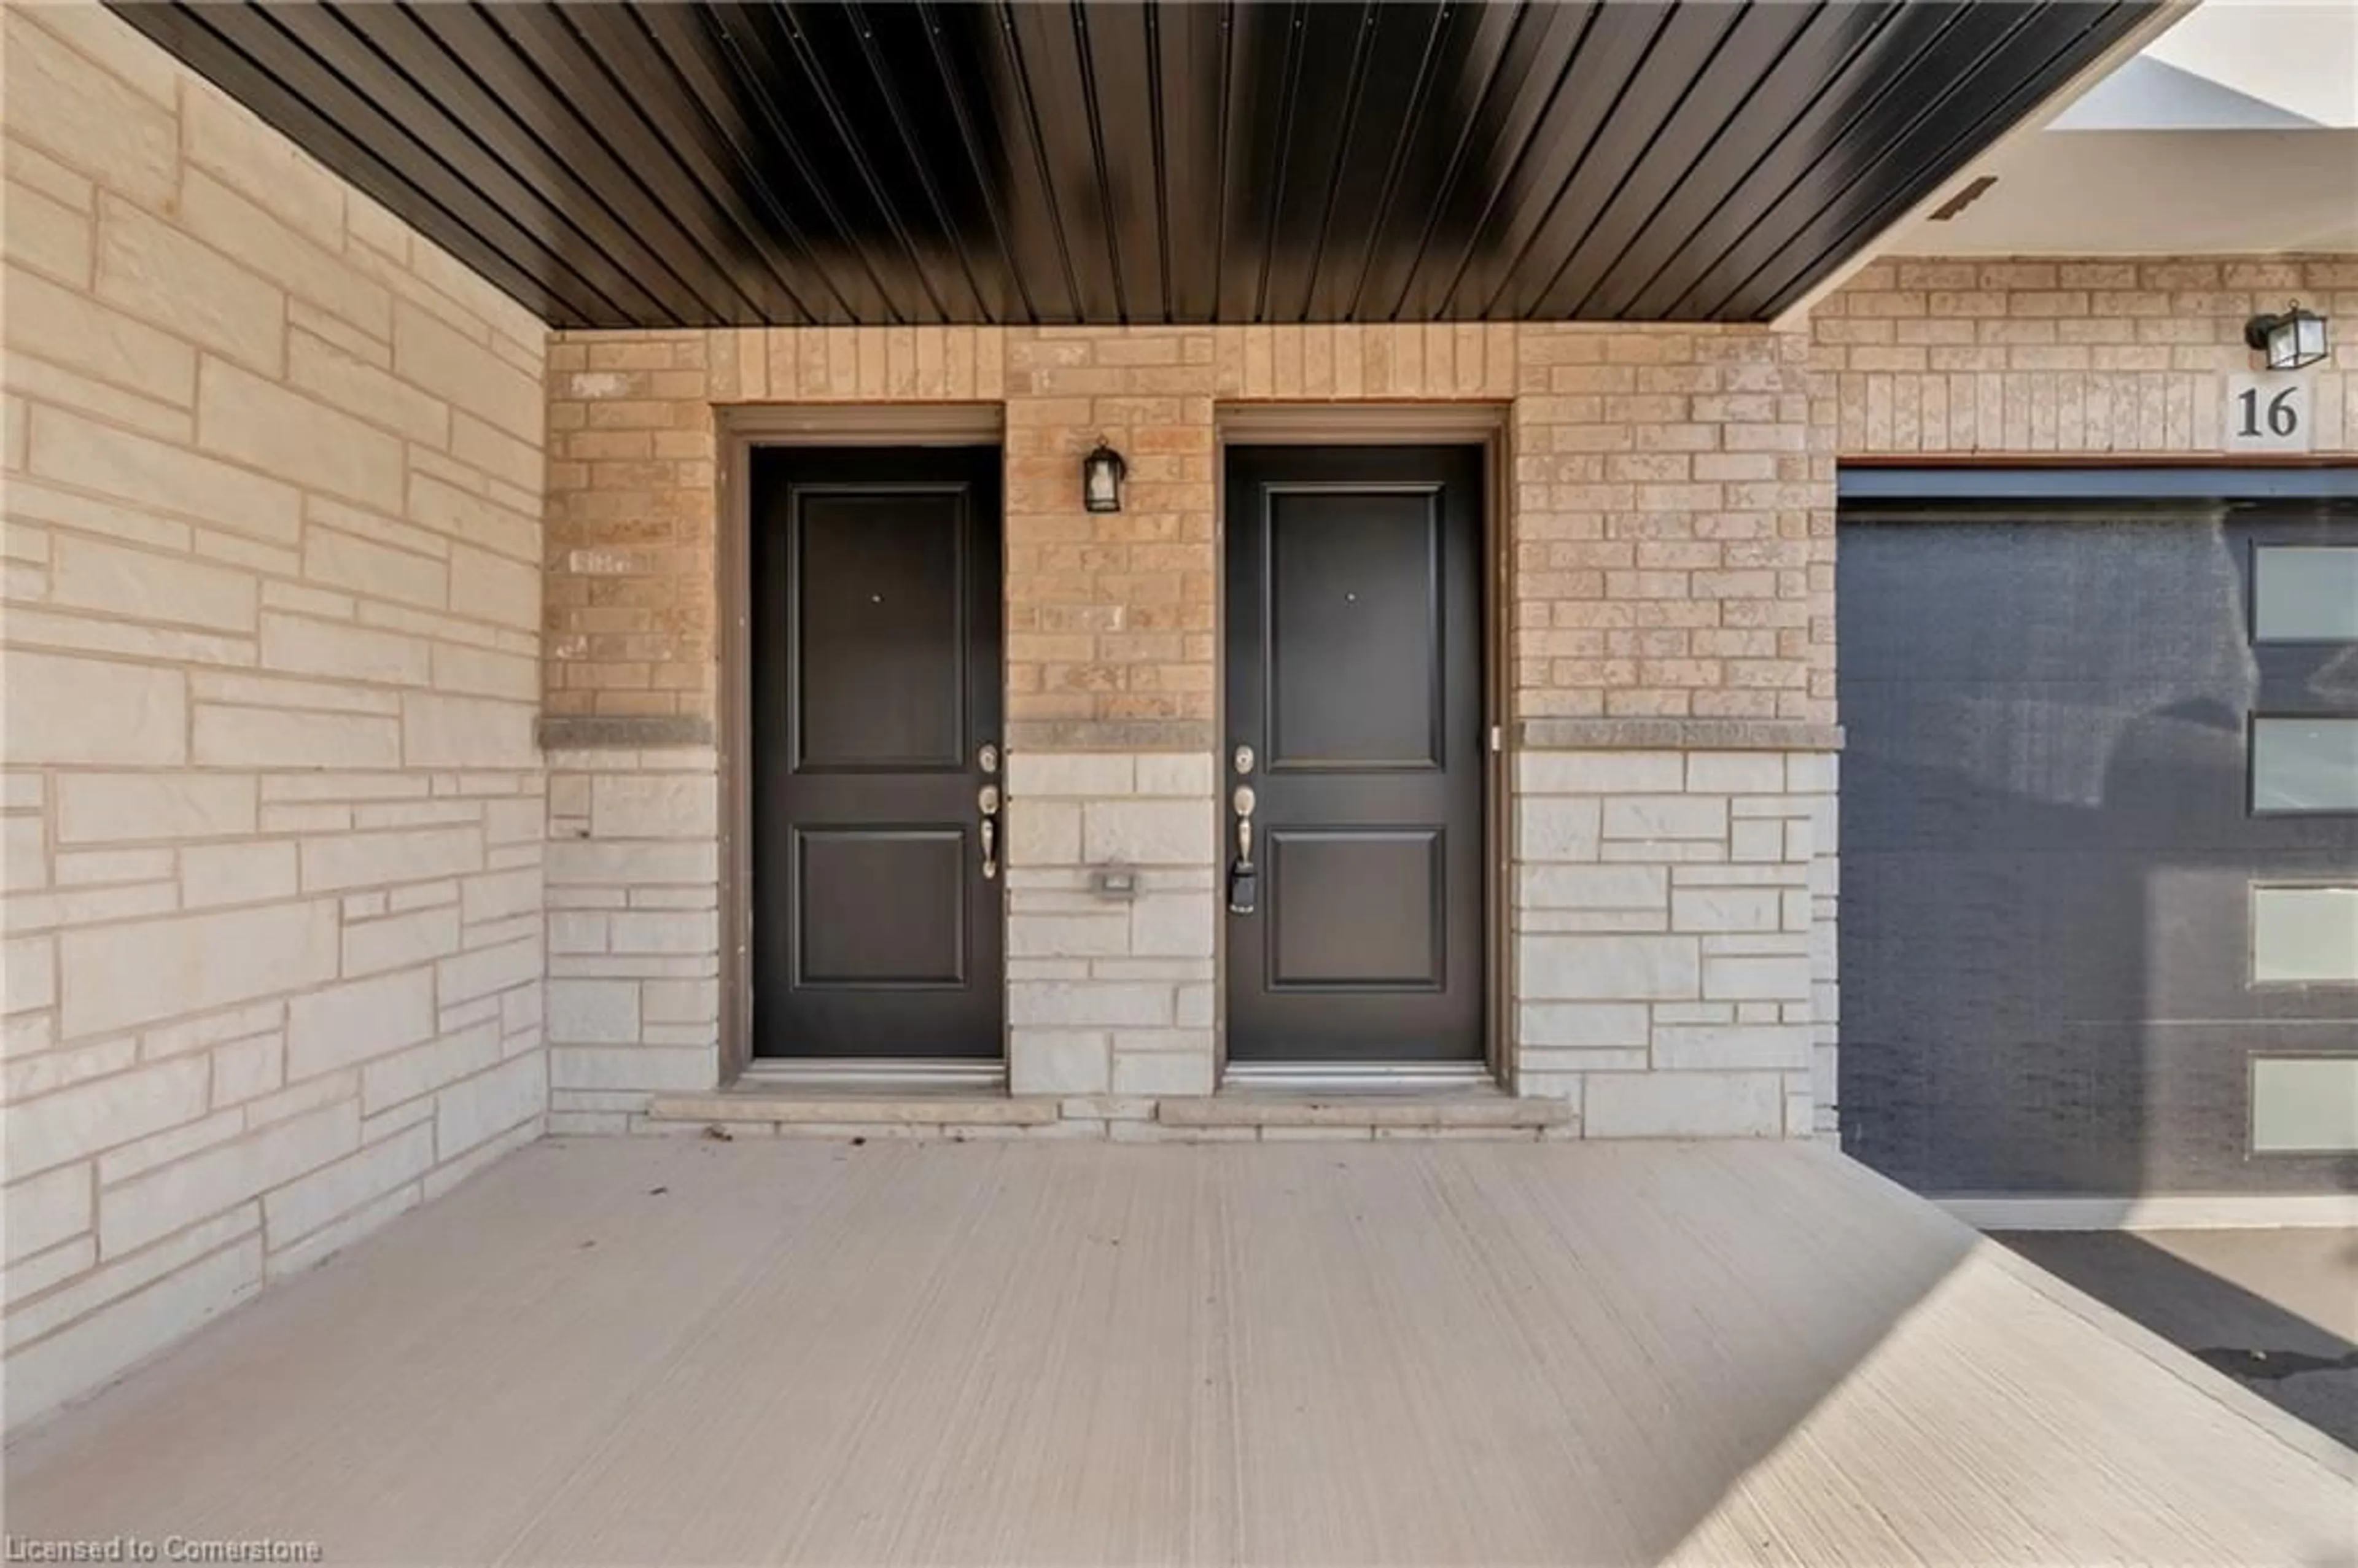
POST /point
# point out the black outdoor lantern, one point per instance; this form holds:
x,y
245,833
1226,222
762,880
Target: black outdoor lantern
x,y
2292,341
1101,473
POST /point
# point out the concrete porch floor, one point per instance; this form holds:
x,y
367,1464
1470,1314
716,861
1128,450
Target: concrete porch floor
x,y
686,1351
2275,1310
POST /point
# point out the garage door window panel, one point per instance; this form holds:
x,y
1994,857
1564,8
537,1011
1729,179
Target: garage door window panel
x,y
2304,765
2305,1105
2304,593
2305,935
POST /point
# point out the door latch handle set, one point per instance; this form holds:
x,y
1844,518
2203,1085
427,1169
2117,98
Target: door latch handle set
x,y
1244,879
987,802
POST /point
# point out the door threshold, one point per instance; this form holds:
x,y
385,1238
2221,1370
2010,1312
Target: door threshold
x,y
1462,1108
1356,1077
840,1075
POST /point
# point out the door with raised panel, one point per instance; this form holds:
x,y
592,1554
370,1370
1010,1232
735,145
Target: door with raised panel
x,y
875,645
1355,720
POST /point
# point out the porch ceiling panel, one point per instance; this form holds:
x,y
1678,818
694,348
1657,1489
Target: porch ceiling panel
x,y
674,164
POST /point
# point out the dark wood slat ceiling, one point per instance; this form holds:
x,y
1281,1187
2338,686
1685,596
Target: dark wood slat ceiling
x,y
675,164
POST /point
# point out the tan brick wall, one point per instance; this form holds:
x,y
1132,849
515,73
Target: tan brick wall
x,y
288,571
272,492
1670,529
1109,615
2083,356
631,475
1672,557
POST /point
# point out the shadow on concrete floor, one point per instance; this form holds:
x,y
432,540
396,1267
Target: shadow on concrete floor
x,y
612,1350
2275,1310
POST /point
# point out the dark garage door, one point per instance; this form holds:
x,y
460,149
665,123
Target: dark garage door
x,y
2050,844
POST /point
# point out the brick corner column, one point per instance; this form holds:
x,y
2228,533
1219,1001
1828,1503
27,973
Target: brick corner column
x,y
1673,899
627,726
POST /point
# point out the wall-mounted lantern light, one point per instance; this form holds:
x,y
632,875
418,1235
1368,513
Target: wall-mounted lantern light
x,y
2292,340
1101,473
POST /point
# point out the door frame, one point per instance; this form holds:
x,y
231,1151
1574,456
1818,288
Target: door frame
x,y
1485,425
740,429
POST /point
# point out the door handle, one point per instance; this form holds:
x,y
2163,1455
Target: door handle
x,y
1244,880
987,802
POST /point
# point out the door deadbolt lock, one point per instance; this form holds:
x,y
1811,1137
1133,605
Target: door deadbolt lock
x,y
987,759
1244,760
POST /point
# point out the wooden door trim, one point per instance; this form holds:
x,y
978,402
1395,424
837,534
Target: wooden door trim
x,y
740,429
1487,425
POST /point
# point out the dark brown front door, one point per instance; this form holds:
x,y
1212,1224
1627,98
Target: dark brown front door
x,y
875,641
1354,676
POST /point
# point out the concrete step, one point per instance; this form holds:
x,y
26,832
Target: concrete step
x,y
1468,1109
868,1108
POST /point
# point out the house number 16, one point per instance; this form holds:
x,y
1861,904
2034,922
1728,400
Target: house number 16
x,y
2267,413
2283,416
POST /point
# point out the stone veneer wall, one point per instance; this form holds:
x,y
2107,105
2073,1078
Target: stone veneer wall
x,y
1673,908
273,815
1111,998
274,929
633,934
1670,525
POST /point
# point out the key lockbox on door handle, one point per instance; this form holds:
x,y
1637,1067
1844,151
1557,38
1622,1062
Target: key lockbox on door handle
x,y
1244,883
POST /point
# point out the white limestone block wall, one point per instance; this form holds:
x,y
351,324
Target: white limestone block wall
x,y
1105,998
1815,776
1664,908
633,932
271,807
1111,996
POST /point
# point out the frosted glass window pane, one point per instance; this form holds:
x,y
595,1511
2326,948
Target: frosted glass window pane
x,y
2304,934
2305,764
2305,1105
2305,593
